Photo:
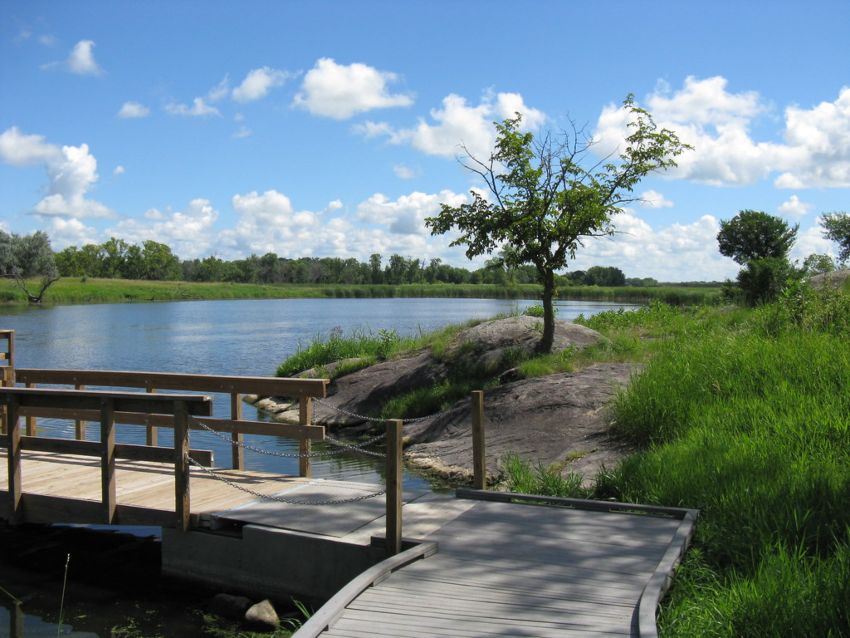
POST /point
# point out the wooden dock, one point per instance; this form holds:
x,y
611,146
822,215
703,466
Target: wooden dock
x,y
506,568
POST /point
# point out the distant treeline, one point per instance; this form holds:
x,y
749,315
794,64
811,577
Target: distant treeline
x,y
117,259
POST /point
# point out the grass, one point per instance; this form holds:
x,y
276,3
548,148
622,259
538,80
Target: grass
x,y
73,290
744,415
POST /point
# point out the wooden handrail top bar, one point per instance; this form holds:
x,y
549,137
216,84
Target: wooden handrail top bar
x,y
94,399
6,331
243,426
265,386
129,451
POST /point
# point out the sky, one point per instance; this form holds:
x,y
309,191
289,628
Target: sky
x,y
334,128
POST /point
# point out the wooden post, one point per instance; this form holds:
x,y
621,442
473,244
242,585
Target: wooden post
x,y
107,459
305,417
181,465
30,420
13,436
80,426
479,457
150,430
394,486
237,452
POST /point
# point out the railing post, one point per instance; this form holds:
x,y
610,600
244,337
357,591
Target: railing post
x,y
79,426
107,458
305,417
16,620
479,457
394,486
150,430
181,465
237,453
8,377
30,420
13,435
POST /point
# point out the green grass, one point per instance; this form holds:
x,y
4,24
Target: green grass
x,y
744,415
73,290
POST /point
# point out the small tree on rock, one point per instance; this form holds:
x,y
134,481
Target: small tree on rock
x,y
26,257
836,227
547,194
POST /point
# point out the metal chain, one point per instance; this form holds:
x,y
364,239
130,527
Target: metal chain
x,y
374,419
282,499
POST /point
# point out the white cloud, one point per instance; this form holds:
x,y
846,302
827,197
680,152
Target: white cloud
x,y
457,125
654,199
80,60
242,132
406,215
403,171
72,172
220,90
199,108
341,91
71,231
119,170
47,40
716,122
334,205
811,241
133,110
258,83
794,207
188,233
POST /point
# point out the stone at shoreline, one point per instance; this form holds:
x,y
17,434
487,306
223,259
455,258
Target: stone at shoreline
x,y
559,418
262,615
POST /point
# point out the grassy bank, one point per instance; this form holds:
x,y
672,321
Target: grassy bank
x,y
70,290
743,415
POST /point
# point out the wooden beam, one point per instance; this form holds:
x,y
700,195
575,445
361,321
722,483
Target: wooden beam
x,y
107,459
91,400
237,453
181,466
394,486
305,418
13,445
80,425
479,458
30,420
128,451
266,386
151,433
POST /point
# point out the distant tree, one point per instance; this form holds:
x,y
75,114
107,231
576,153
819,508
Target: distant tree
x,y
375,272
27,257
816,264
762,279
753,234
548,194
159,263
836,227
604,276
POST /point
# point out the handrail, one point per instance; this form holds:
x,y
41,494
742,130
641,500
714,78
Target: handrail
x,y
302,389
331,610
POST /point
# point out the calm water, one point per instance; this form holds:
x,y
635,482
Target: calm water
x,y
247,337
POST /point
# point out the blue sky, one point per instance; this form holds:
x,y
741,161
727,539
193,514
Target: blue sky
x,y
332,128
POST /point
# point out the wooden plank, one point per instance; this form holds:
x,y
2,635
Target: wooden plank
x,y
122,401
479,457
79,425
267,386
128,451
305,418
237,452
151,433
30,421
394,486
13,460
107,459
182,505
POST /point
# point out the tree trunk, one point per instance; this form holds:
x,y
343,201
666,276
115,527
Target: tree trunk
x,y
545,345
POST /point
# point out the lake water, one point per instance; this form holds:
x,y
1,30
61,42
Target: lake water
x,y
246,337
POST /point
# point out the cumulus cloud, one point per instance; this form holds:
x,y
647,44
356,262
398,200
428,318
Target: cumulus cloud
x,y
654,199
119,170
187,232
794,207
341,91
403,171
458,125
199,108
258,83
71,170
71,231
80,60
406,215
133,110
716,122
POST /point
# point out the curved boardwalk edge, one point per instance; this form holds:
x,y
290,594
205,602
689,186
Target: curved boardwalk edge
x,y
331,610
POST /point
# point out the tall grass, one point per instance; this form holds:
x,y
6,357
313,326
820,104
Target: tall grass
x,y
745,415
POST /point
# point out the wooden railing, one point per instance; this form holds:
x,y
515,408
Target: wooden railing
x,y
106,404
302,389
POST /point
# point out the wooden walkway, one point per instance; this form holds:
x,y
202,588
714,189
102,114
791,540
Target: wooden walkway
x,y
513,569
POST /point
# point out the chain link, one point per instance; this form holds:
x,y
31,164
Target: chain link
x,y
374,419
343,447
282,499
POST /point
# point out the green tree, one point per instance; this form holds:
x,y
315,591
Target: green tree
x,y
548,194
159,262
604,276
753,234
816,264
27,257
836,227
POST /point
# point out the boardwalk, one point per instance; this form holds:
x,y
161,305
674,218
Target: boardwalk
x,y
511,569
